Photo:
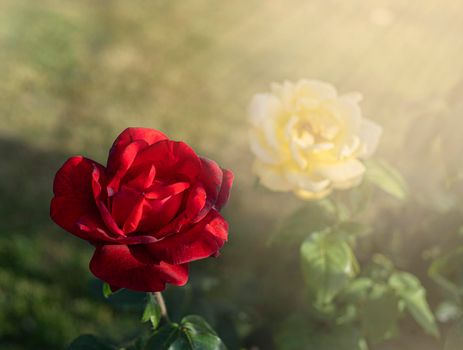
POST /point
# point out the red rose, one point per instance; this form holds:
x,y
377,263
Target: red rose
x,y
149,212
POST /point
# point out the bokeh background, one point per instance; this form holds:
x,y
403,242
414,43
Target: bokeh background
x,y
76,73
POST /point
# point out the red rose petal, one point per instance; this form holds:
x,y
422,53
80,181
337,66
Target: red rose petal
x,y
194,203
123,203
174,161
143,179
224,193
136,211
75,177
132,221
160,191
128,136
90,228
201,241
74,198
117,265
101,199
211,178
114,289
119,163
158,212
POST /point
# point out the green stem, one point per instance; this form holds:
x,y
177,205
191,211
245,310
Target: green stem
x,y
162,305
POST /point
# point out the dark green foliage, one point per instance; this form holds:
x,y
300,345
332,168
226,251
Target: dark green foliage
x,y
89,342
152,312
164,337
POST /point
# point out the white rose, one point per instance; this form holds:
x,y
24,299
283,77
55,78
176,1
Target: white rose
x,y
308,139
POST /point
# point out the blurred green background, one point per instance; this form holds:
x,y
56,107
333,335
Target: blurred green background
x,y
76,73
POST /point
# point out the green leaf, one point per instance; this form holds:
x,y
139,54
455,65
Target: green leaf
x,y
447,271
380,268
346,337
312,217
294,333
107,290
164,337
196,334
386,178
152,312
379,314
297,332
356,291
412,293
351,230
328,264
359,197
89,342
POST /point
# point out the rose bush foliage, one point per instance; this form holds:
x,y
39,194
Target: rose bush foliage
x,y
153,209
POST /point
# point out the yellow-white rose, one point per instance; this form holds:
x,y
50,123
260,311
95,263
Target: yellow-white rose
x,y
308,139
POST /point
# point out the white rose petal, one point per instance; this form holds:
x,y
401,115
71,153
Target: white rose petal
x,y
271,178
313,195
369,134
305,182
340,172
263,113
263,107
260,151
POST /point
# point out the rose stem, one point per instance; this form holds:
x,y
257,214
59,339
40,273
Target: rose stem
x,y
162,305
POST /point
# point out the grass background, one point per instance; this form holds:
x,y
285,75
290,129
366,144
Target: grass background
x,y
76,73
